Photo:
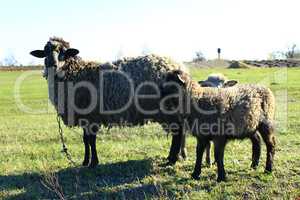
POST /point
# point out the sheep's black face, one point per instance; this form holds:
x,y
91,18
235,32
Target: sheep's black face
x,y
55,54
214,81
172,84
172,89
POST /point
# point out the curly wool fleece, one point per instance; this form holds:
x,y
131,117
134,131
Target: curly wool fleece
x,y
243,106
116,90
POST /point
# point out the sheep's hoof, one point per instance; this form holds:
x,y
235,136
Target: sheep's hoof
x,y
208,165
268,171
254,166
85,163
93,164
167,164
221,179
172,161
184,154
195,176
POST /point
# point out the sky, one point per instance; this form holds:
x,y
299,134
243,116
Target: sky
x,y
105,30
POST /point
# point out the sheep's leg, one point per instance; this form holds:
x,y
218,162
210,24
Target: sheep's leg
x,y
219,147
256,150
183,151
267,132
175,147
86,149
208,160
202,142
94,159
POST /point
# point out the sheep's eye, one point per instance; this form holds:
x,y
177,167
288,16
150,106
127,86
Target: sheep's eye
x,y
56,48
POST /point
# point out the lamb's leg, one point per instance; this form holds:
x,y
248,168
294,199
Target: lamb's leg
x,y
94,159
201,144
219,147
183,151
256,150
267,132
208,160
86,148
175,146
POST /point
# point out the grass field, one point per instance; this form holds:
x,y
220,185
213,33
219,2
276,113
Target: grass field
x,y
131,157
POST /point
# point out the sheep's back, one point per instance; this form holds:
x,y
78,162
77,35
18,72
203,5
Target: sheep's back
x,y
115,89
241,107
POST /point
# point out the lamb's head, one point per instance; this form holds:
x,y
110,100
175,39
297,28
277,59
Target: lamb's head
x,y
55,52
217,80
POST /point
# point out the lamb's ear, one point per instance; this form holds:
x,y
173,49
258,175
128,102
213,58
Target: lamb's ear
x,y
71,53
230,83
38,53
201,82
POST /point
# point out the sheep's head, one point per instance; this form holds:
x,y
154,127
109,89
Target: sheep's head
x,y
173,88
217,80
174,81
55,52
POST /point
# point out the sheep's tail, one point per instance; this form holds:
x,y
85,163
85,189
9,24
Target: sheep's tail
x,y
268,105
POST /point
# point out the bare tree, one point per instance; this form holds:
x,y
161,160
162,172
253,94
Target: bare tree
x,y
199,57
291,51
10,60
297,55
277,55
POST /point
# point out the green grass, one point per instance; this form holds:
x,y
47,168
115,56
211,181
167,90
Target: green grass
x,y
131,157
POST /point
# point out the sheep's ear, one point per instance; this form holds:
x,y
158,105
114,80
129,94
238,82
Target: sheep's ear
x,y
71,53
230,83
180,79
38,53
175,76
201,82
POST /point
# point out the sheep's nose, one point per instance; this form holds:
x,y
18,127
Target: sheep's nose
x,y
55,59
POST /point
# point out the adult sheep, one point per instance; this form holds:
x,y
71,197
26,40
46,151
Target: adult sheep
x,y
222,114
123,93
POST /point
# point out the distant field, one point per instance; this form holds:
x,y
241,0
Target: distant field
x,y
130,157
20,68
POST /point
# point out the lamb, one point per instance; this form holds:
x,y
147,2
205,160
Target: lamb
x,y
217,80
123,93
223,114
220,81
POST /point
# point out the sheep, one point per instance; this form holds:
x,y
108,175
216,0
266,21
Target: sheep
x,y
214,80
87,95
223,114
220,81
217,80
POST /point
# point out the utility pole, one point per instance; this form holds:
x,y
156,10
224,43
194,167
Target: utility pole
x,y
219,53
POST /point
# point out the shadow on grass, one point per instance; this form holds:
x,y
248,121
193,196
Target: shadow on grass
x,y
112,180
